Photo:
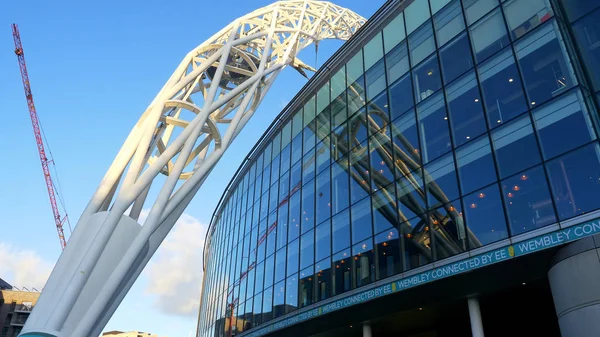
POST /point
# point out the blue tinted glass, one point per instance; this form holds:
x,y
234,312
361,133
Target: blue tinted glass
x,y
294,222
378,111
406,138
448,220
323,124
382,161
296,176
342,272
388,253
323,197
285,158
258,284
566,117
339,142
257,319
375,78
282,224
362,227
433,125
340,188
523,16
309,137
364,262
307,249
475,9
442,185
269,271
291,293
516,147
384,209
306,287
417,251
280,261
475,165
359,173
338,111
397,62
267,304
297,148
323,155
489,35
308,166
341,231
323,234
466,112
427,78
449,23
308,206
543,62
575,181
421,43
411,200
528,201
401,97
292,257
324,277
587,33
485,219
502,89
284,186
456,58
578,8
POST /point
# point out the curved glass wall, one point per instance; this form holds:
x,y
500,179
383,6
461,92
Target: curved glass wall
x,y
454,127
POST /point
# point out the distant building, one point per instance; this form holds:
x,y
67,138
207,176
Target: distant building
x,y
129,334
15,307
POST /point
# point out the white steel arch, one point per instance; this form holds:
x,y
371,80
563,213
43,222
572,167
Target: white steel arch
x,y
182,134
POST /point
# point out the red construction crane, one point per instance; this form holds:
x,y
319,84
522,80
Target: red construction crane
x,y
38,138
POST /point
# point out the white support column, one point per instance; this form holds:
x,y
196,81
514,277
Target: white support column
x,y
367,330
475,317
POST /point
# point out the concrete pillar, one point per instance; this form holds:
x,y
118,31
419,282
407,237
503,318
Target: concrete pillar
x,y
475,317
575,282
367,330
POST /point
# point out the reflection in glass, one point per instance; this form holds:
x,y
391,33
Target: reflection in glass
x,y
285,158
388,253
433,127
309,137
587,34
257,318
308,206
358,128
421,43
456,58
397,62
359,173
466,112
415,14
282,230
406,144
442,185
394,32
291,294
339,142
484,218
338,111
502,89
375,78
280,261
364,262
323,234
340,231
401,98
295,176
449,232
416,243
297,148
378,112
361,220
323,155
267,304
516,147
279,299
427,78
546,71
448,22
306,286
575,181
258,284
269,271
475,165
488,36
356,96
566,117
475,9
292,257
524,15
384,213
323,197
411,199
294,222
324,277
284,187
342,275
340,188
528,201
307,249
382,160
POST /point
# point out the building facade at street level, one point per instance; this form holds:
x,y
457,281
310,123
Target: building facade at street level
x,y
128,334
439,176
15,307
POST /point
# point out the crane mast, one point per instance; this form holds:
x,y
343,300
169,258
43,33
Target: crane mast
x,y
35,123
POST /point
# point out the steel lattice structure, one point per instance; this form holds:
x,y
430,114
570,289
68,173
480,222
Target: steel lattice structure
x,y
182,134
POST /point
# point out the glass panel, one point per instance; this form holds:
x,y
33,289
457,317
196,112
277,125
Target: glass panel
x,y
362,227
359,173
324,277
338,82
260,272
421,43
502,89
476,9
378,112
546,72
394,32
323,202
433,127
280,260
364,262
442,185
566,117
406,144
282,230
516,147
306,286
257,319
309,138
308,206
294,222
340,188
489,36
401,98
384,209
448,225
356,95
296,176
309,111
448,23
341,231
338,111
575,181
267,305
416,243
578,8
276,147
416,13
388,253
485,219
524,15
354,68
587,33
308,166
269,271
342,273
427,79
307,249
286,134
397,62
297,124
456,58
291,293
284,187
375,78
297,148
292,258
373,51
528,202
279,299
323,155
410,196
323,234
475,165
285,158
382,161
466,112
323,98
436,5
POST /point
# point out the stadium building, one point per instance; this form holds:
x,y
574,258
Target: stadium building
x,y
439,176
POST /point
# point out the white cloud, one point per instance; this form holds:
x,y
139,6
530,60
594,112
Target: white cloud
x,y
23,267
175,272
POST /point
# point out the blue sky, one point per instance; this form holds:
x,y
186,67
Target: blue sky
x,y
94,67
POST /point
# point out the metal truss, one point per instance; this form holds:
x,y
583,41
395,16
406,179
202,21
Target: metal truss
x,y
182,134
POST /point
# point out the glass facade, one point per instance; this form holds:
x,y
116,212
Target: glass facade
x,y
457,125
